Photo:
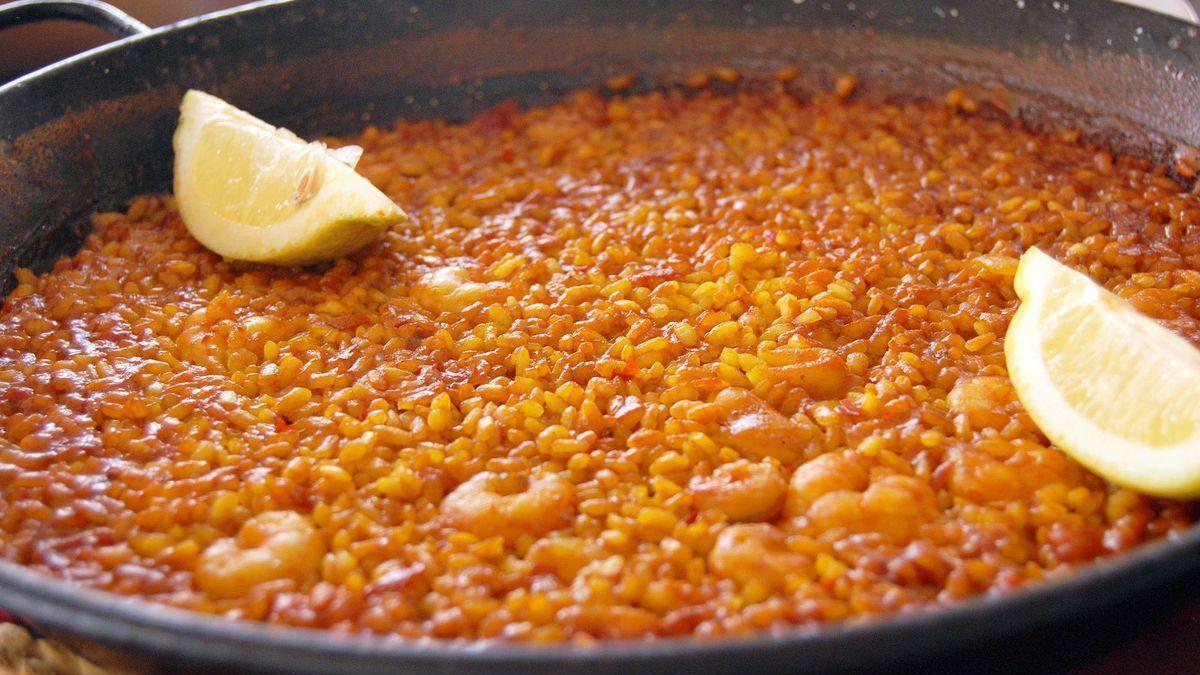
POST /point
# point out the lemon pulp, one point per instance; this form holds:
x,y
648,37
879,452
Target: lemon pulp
x,y
250,191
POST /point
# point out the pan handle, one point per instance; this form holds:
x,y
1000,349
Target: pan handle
x,y
1192,10
95,12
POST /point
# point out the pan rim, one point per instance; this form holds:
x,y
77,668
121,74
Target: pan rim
x,y
118,44
116,619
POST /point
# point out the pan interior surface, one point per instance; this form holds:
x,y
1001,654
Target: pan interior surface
x,y
92,133
1125,77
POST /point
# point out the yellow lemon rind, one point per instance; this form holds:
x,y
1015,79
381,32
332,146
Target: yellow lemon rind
x,y
1171,470
345,214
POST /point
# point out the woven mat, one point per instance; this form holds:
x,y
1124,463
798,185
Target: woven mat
x,y
23,654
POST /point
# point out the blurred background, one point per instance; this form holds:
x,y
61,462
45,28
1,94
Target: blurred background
x,y
28,47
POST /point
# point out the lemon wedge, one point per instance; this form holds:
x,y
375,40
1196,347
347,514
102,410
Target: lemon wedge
x,y
1108,385
251,191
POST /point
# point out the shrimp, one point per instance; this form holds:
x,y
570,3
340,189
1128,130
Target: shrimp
x,y
270,546
477,506
980,477
757,552
986,401
757,430
564,556
822,373
828,473
837,492
450,289
742,490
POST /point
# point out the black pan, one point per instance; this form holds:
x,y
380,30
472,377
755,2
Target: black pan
x,y
91,132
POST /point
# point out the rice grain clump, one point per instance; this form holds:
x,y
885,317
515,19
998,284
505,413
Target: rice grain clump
x,y
665,364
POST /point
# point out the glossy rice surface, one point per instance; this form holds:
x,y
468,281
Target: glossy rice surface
x,y
678,363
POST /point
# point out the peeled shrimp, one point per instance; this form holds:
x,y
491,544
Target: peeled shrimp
x,y
742,490
479,507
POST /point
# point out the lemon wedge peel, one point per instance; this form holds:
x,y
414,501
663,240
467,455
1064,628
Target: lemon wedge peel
x,y
250,191
1110,386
